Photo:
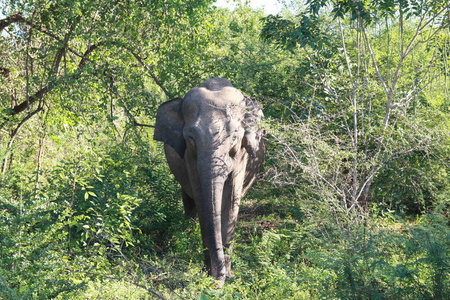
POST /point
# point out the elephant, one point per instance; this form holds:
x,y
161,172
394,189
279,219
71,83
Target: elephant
x,y
215,147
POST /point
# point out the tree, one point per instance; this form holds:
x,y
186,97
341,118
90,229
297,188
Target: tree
x,y
372,66
64,49
76,80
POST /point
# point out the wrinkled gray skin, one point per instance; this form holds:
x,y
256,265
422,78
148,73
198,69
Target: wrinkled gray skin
x,y
215,148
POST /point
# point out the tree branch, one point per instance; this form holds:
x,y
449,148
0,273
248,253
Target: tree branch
x,y
39,95
85,55
14,134
135,123
372,56
141,61
16,18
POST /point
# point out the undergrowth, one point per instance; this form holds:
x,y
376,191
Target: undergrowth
x,y
383,256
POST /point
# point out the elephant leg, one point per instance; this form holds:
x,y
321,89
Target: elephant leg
x,y
228,251
201,217
189,205
230,210
228,231
228,243
207,255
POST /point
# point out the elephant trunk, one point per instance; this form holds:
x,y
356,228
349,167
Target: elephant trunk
x,y
212,179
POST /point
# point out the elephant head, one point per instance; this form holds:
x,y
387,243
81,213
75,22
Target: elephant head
x,y
215,147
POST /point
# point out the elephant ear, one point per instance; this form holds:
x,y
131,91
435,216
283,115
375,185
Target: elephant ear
x,y
169,125
251,122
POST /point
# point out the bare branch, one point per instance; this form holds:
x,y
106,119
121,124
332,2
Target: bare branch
x,y
411,46
415,89
374,62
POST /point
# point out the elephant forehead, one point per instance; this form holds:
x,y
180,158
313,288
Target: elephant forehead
x,y
203,97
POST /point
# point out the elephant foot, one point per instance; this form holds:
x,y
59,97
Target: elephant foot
x,y
228,264
219,284
228,275
219,275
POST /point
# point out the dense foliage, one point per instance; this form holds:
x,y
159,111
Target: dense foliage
x,y
353,202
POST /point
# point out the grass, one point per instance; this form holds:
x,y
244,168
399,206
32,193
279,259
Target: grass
x,y
281,253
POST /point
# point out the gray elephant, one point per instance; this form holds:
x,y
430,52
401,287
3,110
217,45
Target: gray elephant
x,y
214,146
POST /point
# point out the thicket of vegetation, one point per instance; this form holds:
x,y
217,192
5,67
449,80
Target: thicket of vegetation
x,y
353,202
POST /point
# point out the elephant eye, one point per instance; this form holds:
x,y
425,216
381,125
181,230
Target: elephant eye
x,y
234,139
189,134
234,145
191,141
